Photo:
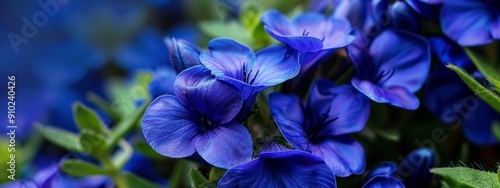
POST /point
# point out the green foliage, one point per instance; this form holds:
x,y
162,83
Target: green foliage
x,y
216,174
487,61
79,168
487,95
60,137
92,142
87,119
136,181
197,178
467,177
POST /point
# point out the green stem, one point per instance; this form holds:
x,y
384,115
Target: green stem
x,y
178,172
114,172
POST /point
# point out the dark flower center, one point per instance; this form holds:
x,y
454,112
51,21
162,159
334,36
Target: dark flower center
x,y
317,122
206,123
246,77
306,33
384,76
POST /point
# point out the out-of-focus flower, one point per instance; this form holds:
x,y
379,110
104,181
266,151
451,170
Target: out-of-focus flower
x,y
392,68
280,169
199,118
321,126
426,8
250,72
403,17
471,22
451,100
412,172
308,32
146,51
163,82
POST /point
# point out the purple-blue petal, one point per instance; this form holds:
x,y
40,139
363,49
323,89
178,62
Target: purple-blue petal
x,y
163,82
227,57
275,65
169,128
182,54
470,23
349,106
402,59
449,52
396,96
383,182
280,169
383,169
477,123
226,146
299,43
276,21
403,17
414,170
288,113
426,8
342,154
197,89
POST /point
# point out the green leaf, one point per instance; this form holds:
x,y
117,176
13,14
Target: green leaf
x,y
216,174
486,64
136,181
208,185
197,178
92,142
87,119
122,156
496,129
231,29
146,150
60,137
488,96
467,177
126,125
79,168
104,105
498,174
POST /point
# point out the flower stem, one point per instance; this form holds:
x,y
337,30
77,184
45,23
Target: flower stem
x,y
114,172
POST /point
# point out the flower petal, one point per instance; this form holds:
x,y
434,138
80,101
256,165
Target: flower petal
x,y
342,154
226,146
280,169
275,65
414,171
383,182
449,52
169,127
383,169
396,96
197,89
403,57
469,23
349,106
477,122
277,22
299,43
227,57
288,113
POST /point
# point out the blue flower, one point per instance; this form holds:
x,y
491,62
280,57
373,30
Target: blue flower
x,y
280,169
321,126
308,32
199,118
251,73
451,100
162,82
146,51
426,8
394,66
412,172
471,22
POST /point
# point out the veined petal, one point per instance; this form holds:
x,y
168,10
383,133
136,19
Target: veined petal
x,y
299,43
469,23
280,169
449,52
288,113
277,22
383,182
402,59
226,146
396,96
350,107
227,57
274,65
197,89
342,154
169,127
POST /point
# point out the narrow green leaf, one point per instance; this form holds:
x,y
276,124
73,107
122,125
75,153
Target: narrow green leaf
x,y
87,119
146,150
197,178
498,174
104,105
136,181
92,142
488,96
467,177
60,137
496,129
208,185
126,125
79,168
216,174
484,62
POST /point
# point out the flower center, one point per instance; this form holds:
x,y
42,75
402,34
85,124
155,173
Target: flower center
x,y
384,76
317,122
247,78
206,123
